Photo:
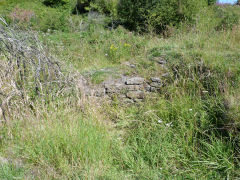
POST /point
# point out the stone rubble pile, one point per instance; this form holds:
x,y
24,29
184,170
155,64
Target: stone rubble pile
x,y
127,89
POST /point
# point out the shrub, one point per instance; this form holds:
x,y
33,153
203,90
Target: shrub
x,y
56,3
108,7
36,15
83,6
157,15
21,16
211,2
51,19
227,18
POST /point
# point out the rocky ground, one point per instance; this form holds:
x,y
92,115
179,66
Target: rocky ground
x,y
128,89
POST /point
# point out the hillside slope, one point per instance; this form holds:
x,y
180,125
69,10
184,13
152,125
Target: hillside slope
x,y
185,128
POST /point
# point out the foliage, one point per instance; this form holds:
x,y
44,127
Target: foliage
x,y
28,72
227,19
51,19
157,15
9,171
103,6
55,3
188,130
212,2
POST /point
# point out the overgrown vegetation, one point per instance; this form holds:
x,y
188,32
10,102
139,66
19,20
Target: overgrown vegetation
x,y
144,15
188,130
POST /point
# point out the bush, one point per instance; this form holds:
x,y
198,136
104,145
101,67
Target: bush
x,y
83,6
157,15
57,3
211,2
105,6
35,15
108,7
40,19
22,17
227,18
51,19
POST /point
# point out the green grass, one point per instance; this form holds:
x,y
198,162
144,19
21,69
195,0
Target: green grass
x,y
64,144
10,172
190,130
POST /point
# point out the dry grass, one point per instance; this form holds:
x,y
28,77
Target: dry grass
x,y
28,73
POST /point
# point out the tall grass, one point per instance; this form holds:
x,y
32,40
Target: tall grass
x,y
189,130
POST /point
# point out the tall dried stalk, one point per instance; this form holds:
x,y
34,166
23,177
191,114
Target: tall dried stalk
x,y
27,72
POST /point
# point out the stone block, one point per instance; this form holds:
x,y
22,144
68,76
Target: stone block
x,y
156,79
135,95
135,81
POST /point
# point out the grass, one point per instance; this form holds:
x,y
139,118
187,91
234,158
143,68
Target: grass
x,y
63,144
190,130
10,172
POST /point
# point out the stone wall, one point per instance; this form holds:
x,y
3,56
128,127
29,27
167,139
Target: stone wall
x,y
127,89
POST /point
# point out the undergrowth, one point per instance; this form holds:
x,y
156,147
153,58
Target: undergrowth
x,y
189,130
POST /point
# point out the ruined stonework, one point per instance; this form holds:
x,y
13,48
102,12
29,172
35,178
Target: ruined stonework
x,y
127,89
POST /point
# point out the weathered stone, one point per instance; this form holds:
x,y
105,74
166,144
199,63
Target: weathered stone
x,y
135,95
128,101
160,60
129,64
156,85
133,87
134,81
121,96
153,89
114,88
138,100
147,87
165,75
156,79
126,89
123,79
132,66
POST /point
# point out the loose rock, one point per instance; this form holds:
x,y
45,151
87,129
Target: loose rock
x,y
165,75
156,79
135,95
129,64
135,81
133,87
156,85
160,60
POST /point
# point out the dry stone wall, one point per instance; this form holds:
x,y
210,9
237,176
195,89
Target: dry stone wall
x,y
127,89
